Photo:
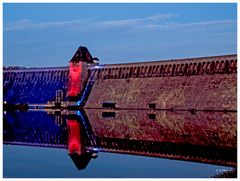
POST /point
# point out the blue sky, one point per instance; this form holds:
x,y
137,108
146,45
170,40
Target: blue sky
x,y
43,35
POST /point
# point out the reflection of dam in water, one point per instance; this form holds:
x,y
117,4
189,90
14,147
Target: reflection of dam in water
x,y
170,135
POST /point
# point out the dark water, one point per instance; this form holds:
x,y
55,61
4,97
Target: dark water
x,y
47,148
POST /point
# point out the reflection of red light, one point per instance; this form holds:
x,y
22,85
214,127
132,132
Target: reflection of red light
x,y
75,71
74,145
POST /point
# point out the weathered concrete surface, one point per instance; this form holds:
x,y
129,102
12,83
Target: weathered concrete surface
x,y
208,83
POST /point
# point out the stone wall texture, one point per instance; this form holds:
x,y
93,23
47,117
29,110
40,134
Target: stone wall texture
x,y
208,83
34,85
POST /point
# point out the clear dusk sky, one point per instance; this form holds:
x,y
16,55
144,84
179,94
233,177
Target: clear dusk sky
x,y
44,35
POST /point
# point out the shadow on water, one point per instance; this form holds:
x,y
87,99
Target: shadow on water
x,y
200,138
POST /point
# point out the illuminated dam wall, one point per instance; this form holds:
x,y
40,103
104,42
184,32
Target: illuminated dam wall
x,y
208,83
34,85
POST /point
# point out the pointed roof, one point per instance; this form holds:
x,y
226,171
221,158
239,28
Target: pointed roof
x,y
82,54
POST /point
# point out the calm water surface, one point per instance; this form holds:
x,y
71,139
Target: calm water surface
x,y
22,161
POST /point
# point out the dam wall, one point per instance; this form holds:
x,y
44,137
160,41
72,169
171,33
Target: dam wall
x,y
34,85
207,83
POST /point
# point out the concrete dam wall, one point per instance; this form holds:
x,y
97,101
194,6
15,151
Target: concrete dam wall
x,y
208,83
